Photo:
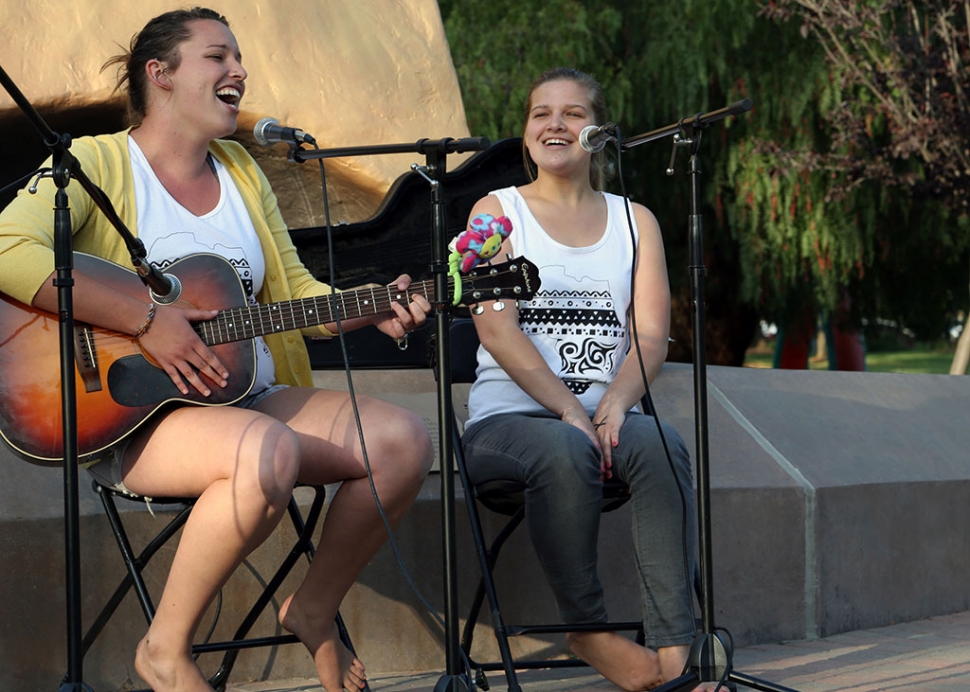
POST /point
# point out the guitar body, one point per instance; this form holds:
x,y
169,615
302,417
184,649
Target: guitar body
x,y
118,387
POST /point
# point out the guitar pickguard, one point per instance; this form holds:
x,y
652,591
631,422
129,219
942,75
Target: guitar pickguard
x,y
135,383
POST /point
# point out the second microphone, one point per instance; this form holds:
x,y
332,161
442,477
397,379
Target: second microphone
x,y
268,132
593,138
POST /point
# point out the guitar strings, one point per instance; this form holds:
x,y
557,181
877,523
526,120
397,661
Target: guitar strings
x,y
249,321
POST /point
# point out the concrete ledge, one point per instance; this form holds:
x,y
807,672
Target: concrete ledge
x,y
837,501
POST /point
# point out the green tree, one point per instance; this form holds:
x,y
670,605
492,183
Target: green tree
x,y
794,219
499,47
900,127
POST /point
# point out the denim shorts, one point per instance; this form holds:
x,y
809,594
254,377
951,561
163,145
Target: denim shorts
x,y
107,469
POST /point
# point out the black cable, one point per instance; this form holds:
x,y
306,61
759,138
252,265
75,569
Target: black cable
x,y
392,541
688,577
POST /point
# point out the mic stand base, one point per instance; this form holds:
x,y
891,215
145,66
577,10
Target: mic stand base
x,y
452,683
708,661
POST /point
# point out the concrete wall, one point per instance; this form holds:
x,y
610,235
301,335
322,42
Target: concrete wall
x,y
839,502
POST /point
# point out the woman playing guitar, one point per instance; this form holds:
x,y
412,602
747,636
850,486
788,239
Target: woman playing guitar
x,y
184,191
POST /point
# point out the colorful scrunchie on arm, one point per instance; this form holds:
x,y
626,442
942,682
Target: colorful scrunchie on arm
x,y
482,240
479,243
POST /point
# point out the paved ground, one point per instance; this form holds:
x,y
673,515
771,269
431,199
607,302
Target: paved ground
x,y
930,655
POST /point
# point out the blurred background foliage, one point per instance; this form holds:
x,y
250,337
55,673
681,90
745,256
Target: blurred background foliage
x,y
828,194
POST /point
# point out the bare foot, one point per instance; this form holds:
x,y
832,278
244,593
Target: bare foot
x,y
164,669
623,662
336,666
673,664
708,687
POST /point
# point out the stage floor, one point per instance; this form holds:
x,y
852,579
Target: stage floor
x,y
931,655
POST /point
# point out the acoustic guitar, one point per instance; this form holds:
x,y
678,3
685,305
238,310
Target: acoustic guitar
x,y
118,385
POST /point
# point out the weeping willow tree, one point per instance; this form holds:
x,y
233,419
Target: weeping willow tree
x,y
899,143
788,231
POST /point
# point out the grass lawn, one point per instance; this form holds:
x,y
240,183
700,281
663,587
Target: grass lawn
x,y
921,358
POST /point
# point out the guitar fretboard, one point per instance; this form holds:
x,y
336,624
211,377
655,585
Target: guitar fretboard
x,y
249,322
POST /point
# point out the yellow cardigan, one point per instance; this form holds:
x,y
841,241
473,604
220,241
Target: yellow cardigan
x,y
27,235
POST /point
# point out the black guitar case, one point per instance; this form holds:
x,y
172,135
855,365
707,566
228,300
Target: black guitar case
x,y
398,239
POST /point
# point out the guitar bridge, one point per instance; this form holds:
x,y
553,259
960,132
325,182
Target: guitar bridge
x,y
86,358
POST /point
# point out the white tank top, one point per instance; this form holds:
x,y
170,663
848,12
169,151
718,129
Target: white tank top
x,y
578,318
171,232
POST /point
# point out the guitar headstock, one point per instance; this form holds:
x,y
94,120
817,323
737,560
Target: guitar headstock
x,y
517,279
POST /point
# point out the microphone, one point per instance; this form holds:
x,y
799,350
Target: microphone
x,y
593,138
268,132
164,289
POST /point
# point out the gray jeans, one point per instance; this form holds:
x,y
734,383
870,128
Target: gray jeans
x,y
560,468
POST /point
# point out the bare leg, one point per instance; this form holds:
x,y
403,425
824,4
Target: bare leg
x,y
400,454
242,466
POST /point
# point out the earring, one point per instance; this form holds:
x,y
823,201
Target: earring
x,y
160,76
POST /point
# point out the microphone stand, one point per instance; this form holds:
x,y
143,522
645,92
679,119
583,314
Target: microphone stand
x,y
435,152
708,659
64,168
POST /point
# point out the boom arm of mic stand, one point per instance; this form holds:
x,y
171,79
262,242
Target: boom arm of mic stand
x,y
70,168
447,145
149,274
700,120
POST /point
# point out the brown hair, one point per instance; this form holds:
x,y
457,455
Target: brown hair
x,y
158,40
598,162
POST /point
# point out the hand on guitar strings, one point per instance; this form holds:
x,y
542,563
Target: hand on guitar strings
x,y
175,347
407,317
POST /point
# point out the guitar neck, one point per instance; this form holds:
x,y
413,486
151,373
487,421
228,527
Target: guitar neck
x,y
251,321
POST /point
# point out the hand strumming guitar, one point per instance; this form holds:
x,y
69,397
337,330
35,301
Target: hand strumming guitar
x,y
175,347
